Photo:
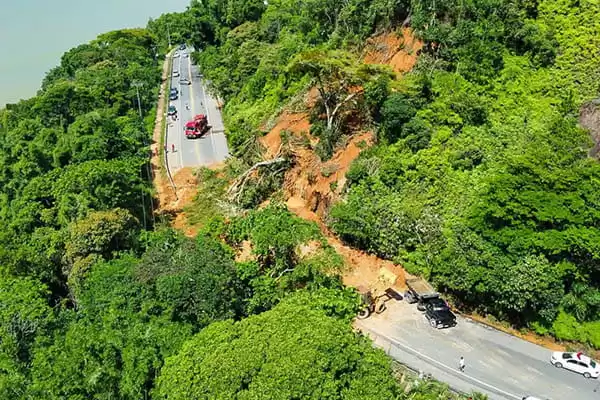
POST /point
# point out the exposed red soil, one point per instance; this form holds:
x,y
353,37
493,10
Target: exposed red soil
x,y
312,186
397,49
187,187
245,252
310,193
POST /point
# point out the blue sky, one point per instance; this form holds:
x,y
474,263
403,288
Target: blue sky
x,y
35,33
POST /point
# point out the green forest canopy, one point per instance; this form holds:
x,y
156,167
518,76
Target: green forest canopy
x,y
480,181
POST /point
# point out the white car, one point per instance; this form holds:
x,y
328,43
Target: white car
x,y
576,362
175,74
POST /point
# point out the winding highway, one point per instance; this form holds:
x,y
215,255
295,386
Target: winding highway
x,y
208,149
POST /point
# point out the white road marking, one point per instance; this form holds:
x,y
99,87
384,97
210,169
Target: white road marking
x,y
212,139
433,361
179,121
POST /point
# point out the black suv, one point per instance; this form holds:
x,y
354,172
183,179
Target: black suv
x,y
438,313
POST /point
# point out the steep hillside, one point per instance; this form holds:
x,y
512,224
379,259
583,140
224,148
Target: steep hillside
x,y
478,176
440,136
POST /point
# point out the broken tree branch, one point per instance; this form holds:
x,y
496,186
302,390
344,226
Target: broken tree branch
x,y
237,187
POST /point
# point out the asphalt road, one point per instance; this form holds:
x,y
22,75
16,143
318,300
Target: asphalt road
x,y
497,364
210,148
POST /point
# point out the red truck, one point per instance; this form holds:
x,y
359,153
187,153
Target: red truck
x,y
198,127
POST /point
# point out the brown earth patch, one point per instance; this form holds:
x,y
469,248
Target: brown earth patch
x,y
399,50
187,187
312,186
244,253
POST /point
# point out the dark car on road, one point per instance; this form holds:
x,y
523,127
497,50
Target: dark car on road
x,y
439,314
173,95
172,111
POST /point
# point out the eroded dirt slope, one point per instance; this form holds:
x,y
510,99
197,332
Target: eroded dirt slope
x,y
312,186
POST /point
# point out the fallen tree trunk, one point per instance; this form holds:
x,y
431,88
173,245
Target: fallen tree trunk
x,y
237,187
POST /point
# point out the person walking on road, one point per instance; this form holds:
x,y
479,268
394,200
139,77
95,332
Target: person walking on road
x,y
461,364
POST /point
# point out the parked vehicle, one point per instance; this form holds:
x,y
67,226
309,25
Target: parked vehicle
x,y
439,314
429,300
198,127
173,96
172,111
418,291
576,362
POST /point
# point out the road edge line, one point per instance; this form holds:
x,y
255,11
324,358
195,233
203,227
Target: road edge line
x,y
432,360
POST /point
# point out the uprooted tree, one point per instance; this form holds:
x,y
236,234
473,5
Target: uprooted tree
x,y
339,77
261,179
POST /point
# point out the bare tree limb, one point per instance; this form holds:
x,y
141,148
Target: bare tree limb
x,y
283,272
237,187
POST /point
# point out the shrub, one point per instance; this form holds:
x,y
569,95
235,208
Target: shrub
x,y
566,327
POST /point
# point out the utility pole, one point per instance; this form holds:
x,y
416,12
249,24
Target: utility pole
x,y
137,91
169,34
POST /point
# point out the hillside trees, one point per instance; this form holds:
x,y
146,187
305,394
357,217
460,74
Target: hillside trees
x,y
25,317
482,151
76,148
292,351
340,80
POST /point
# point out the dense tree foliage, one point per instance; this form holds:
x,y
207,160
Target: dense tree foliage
x,y
482,181
76,153
292,351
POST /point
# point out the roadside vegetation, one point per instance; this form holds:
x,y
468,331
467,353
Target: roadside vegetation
x,y
100,299
480,180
